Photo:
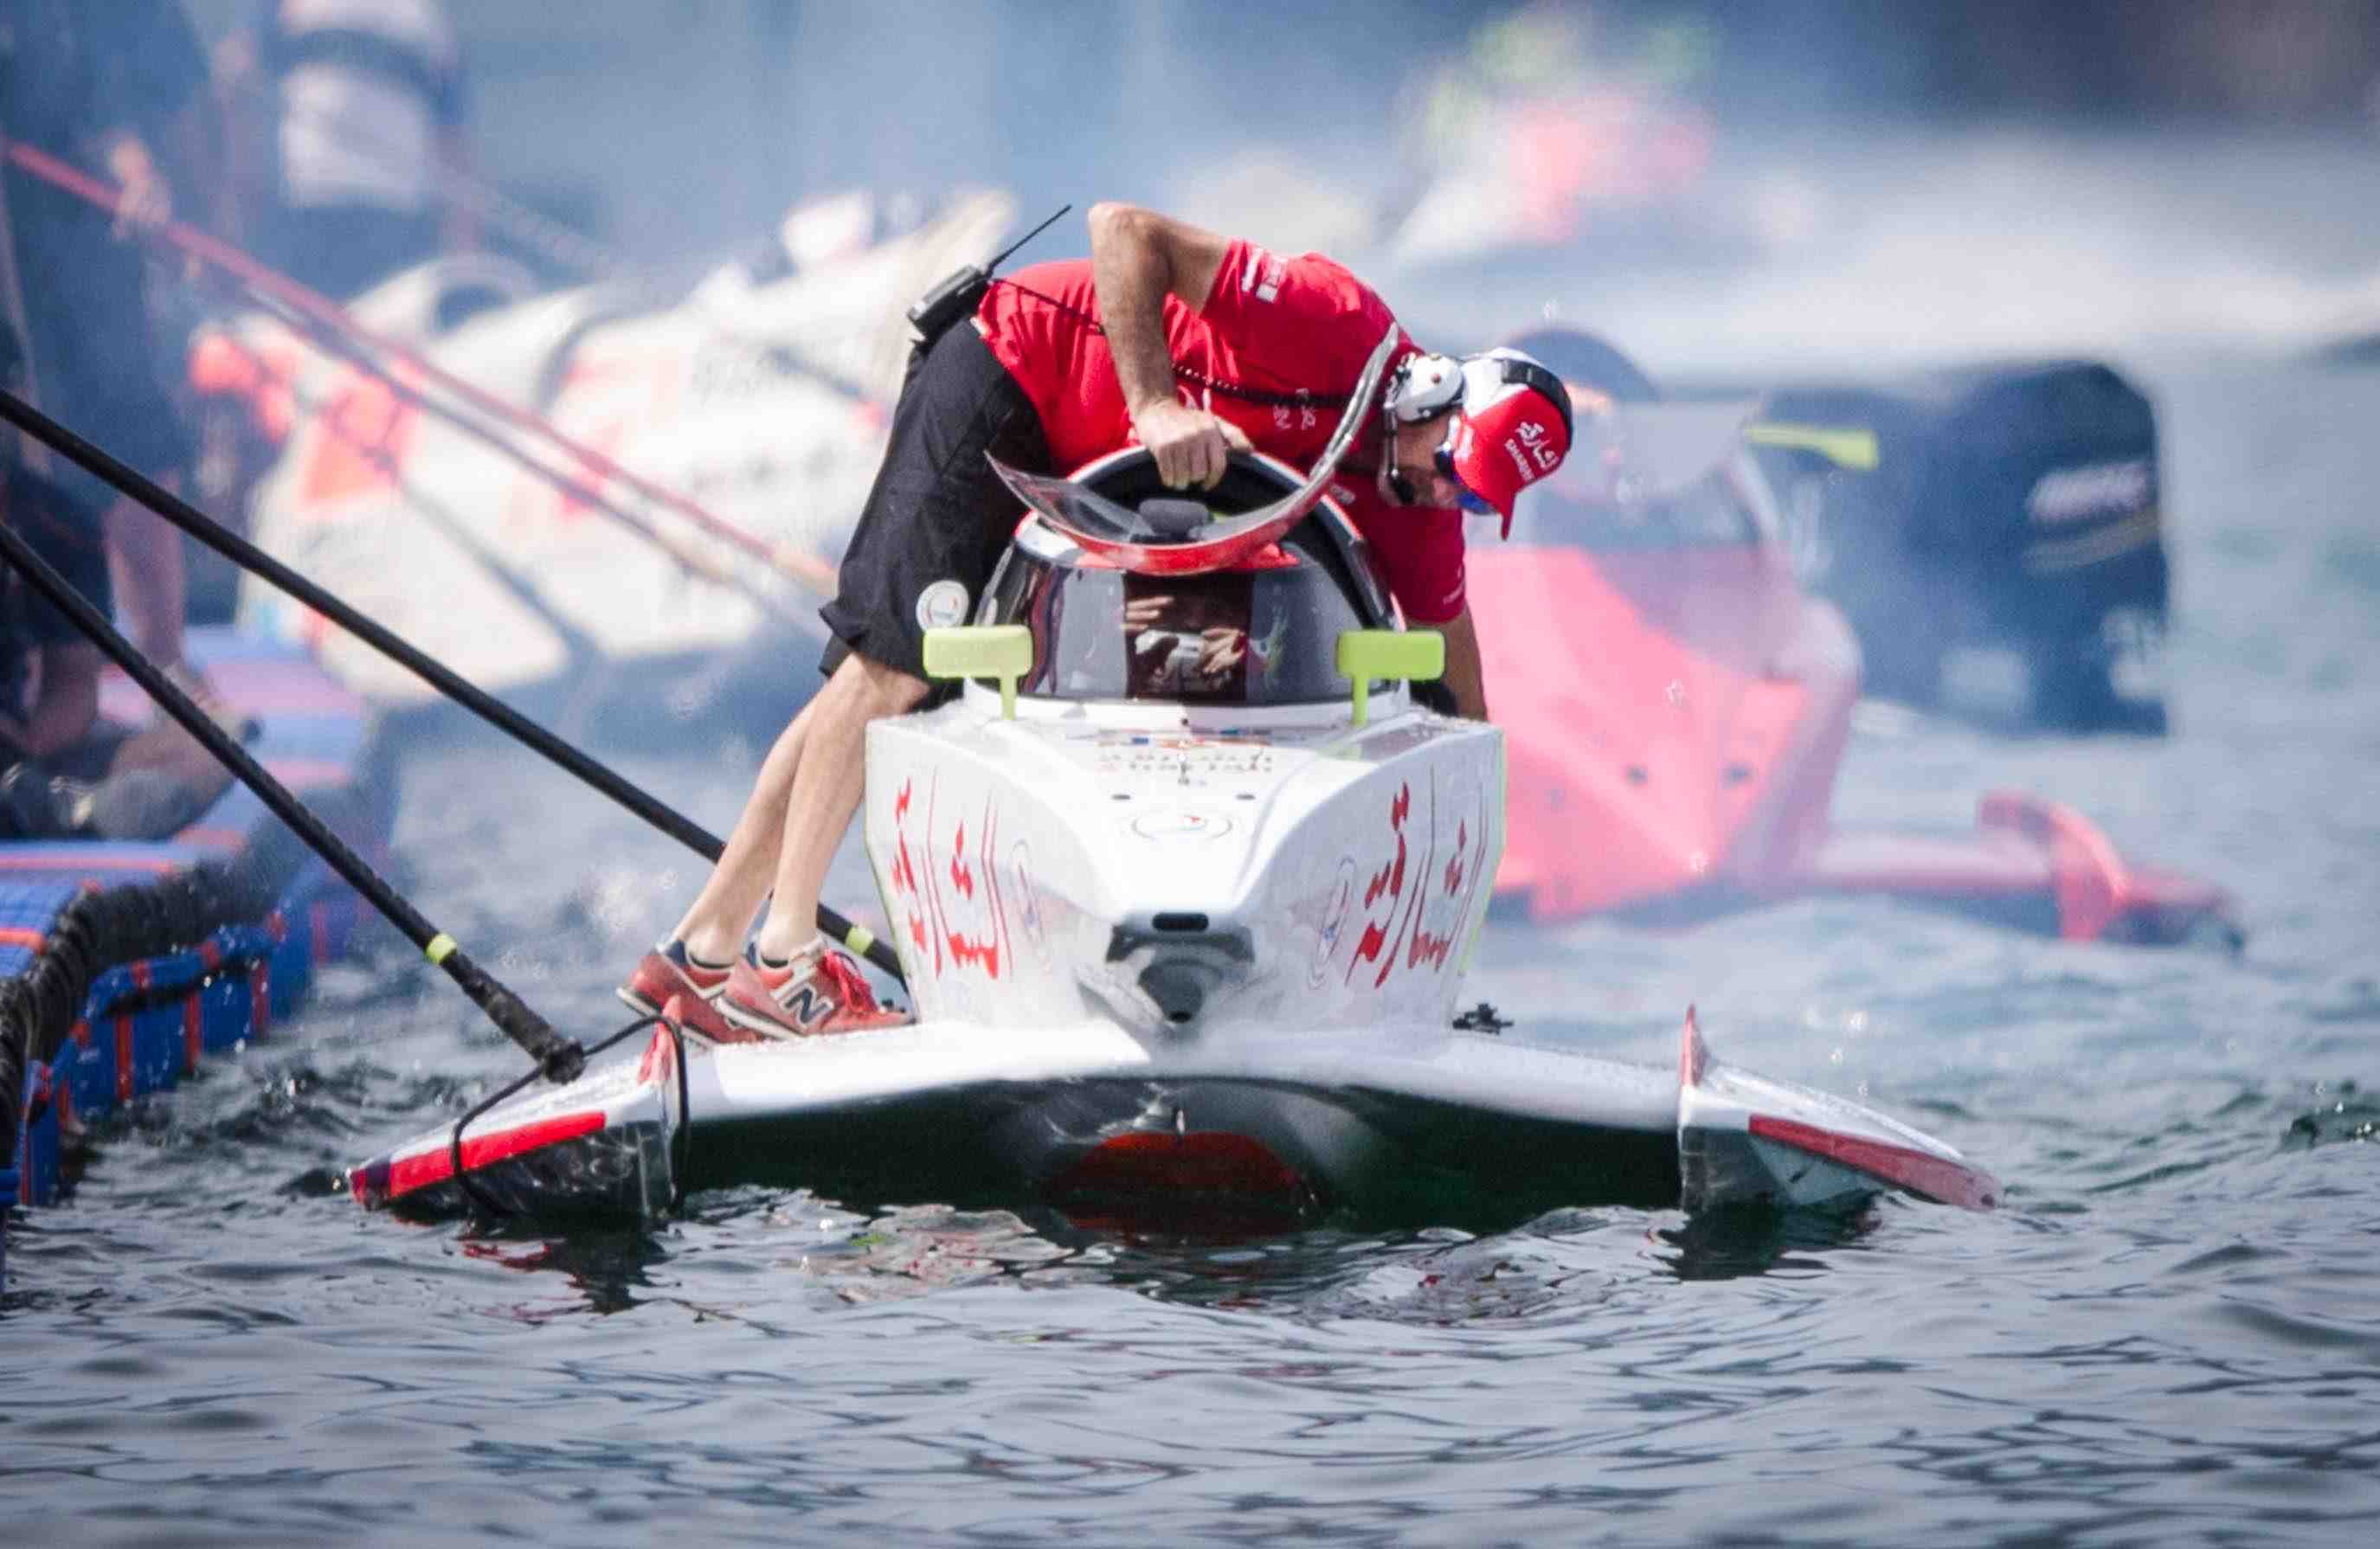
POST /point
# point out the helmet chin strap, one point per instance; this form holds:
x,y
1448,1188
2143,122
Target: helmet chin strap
x,y
1424,387
1399,485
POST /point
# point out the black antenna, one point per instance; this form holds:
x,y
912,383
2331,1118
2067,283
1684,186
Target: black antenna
x,y
958,294
1010,251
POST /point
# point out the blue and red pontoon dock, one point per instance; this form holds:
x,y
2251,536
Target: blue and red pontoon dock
x,y
197,981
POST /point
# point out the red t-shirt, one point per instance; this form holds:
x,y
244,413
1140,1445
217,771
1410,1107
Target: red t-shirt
x,y
1278,327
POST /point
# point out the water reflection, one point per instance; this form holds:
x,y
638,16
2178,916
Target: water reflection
x,y
605,1270
1732,1244
855,1257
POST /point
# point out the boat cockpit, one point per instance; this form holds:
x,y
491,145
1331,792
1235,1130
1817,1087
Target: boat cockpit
x,y
1264,633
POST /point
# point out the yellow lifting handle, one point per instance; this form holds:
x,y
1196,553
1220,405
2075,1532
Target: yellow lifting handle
x,y
1850,447
1003,651
1398,655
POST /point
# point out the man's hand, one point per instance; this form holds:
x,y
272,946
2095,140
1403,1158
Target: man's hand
x,y
1190,445
145,200
1220,649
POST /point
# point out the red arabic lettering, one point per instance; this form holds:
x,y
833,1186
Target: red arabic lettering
x,y
905,873
1454,867
1431,947
983,951
962,878
1389,880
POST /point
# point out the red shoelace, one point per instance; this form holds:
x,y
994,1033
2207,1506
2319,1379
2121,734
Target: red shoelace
x,y
844,975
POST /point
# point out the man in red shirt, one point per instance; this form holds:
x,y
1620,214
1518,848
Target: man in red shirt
x,y
1191,343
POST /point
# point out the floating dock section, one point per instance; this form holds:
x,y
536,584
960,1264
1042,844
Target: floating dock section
x,y
124,965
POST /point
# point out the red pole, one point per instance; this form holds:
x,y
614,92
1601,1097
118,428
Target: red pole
x,y
806,568
702,564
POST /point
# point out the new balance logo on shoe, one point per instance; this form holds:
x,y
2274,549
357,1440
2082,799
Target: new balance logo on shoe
x,y
807,1007
820,991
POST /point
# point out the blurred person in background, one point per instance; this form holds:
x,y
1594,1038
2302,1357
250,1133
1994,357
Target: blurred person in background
x,y
1193,345
101,86
66,771
1555,121
351,127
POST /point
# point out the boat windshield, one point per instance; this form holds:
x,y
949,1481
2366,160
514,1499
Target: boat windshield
x,y
1267,633
1648,476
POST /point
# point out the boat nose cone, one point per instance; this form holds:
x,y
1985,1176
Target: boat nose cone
x,y
1180,986
1180,961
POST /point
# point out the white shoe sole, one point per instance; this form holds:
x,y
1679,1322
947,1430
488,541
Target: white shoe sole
x,y
645,1008
750,1023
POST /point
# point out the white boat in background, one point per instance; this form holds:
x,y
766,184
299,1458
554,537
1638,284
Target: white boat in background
x,y
761,393
1184,905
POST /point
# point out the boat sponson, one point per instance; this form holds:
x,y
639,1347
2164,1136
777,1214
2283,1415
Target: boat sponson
x,y
1345,1114
1750,1140
600,1144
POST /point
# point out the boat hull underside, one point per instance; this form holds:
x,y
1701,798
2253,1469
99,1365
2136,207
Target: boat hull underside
x,y
1461,1128
1157,1153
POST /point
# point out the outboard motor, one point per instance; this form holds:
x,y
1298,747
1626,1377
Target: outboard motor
x,y
2008,509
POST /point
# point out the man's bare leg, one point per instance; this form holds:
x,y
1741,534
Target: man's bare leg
x,y
826,791
715,923
145,565
145,556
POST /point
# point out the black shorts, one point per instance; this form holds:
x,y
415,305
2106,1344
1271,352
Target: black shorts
x,y
71,537
93,358
938,519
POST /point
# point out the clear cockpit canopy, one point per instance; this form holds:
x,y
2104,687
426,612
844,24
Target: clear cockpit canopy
x,y
1263,633
1651,476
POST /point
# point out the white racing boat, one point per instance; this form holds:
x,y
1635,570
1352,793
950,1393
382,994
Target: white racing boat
x,y
1184,905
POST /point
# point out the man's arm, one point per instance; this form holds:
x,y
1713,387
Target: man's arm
x,y
145,200
1463,674
1138,257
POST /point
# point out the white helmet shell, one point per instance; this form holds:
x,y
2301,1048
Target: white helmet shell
x,y
1424,387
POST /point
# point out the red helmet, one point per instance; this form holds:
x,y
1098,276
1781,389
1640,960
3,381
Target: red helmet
x,y
1512,421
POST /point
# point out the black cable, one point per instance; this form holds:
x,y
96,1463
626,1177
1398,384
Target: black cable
x,y
240,552
558,1059
681,1143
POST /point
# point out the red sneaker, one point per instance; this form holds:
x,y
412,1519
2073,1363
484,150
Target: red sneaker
x,y
820,991
666,971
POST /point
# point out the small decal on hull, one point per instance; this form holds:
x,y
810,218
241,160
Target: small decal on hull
x,y
1028,899
1334,923
1180,825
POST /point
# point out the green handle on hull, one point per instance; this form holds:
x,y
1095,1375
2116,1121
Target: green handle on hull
x,y
1398,655
1003,651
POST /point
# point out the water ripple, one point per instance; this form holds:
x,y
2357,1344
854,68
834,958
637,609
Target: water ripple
x,y
2168,1334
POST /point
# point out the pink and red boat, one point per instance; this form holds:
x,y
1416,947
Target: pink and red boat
x,y
1677,707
